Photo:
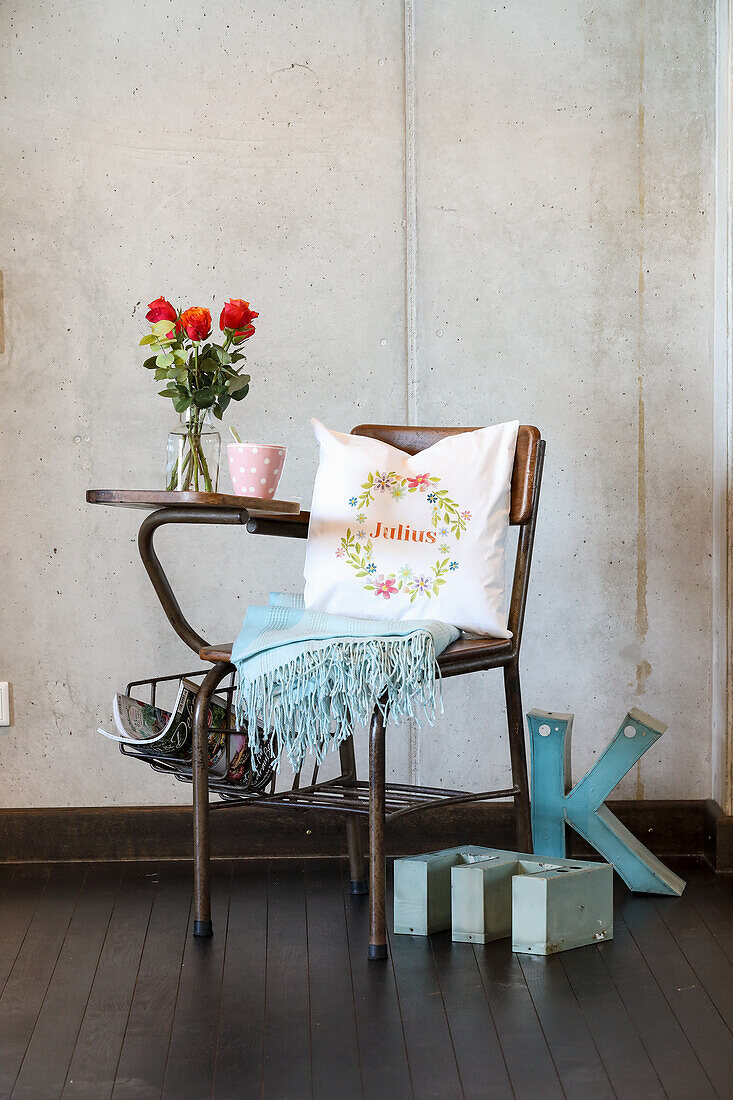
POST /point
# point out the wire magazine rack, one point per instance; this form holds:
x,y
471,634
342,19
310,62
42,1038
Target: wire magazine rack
x,y
340,794
181,768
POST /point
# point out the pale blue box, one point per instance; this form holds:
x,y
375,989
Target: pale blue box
x,y
546,905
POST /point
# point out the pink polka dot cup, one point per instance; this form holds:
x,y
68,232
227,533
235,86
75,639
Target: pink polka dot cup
x,y
255,469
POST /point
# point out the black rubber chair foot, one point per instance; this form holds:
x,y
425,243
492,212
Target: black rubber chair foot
x,y
203,928
359,886
377,951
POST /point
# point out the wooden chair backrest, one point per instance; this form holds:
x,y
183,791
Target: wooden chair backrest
x,y
414,439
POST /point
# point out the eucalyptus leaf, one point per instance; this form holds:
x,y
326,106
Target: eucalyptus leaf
x,y
237,383
147,340
149,364
240,394
203,399
165,360
162,328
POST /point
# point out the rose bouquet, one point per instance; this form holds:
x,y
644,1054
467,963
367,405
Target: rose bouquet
x,y
202,378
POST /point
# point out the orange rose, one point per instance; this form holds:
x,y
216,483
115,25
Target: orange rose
x,y
196,323
237,315
160,310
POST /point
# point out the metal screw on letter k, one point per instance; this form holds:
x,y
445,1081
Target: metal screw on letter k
x,y
554,802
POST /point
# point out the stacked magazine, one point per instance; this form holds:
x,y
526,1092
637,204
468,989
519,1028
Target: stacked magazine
x,y
168,735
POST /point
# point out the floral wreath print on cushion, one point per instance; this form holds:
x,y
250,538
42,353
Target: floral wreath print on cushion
x,y
356,547
399,536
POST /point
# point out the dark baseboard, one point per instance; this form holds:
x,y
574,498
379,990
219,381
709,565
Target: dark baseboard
x,y
724,856
719,834
668,828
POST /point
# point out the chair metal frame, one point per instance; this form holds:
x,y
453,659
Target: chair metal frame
x,y
377,800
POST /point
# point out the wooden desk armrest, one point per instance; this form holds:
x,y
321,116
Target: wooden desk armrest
x,y
287,526
150,499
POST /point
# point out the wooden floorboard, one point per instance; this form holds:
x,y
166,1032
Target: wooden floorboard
x,y
526,1052
705,956
23,887
47,1058
141,1068
385,1070
25,990
428,1039
706,1031
571,1044
242,1021
287,1070
194,1033
334,1041
713,899
627,1062
669,1049
475,1041
105,993
93,1065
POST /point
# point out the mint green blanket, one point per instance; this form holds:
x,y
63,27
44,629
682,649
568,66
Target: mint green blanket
x,y
308,676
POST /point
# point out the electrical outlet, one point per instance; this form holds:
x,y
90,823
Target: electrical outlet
x,y
4,704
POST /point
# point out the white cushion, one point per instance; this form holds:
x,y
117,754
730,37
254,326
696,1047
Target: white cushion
x,y
398,536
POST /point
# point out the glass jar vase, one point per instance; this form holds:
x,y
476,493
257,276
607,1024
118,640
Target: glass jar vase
x,y
194,450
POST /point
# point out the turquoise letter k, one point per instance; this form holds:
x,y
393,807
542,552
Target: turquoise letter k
x,y
554,803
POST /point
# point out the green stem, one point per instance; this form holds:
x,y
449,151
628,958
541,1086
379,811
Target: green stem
x,y
205,471
199,457
192,437
181,473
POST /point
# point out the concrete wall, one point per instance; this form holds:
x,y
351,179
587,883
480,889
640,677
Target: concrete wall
x,y
557,251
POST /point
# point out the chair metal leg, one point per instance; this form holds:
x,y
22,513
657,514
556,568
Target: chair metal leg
x,y
202,925
353,826
515,722
377,867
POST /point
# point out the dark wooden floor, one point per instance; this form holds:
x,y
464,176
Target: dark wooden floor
x,y
104,993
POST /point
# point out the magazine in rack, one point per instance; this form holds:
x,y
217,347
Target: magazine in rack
x,y
169,734
155,733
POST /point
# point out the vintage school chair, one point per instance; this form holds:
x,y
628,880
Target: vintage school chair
x,y
377,800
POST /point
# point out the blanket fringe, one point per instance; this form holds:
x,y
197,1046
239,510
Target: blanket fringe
x,y
312,702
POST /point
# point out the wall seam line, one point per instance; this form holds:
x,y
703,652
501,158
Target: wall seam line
x,y
722,559
410,225
410,214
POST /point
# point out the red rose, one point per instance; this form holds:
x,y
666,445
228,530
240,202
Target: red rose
x,y
160,310
196,323
237,315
